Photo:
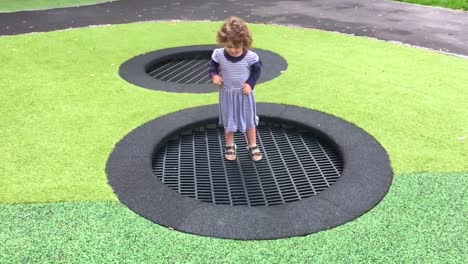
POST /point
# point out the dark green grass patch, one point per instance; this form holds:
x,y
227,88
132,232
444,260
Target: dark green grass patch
x,y
64,105
453,4
24,5
421,220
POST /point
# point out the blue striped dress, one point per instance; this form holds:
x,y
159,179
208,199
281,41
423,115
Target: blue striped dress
x,y
237,111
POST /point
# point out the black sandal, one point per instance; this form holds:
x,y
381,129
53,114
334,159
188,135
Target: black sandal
x,y
230,150
254,151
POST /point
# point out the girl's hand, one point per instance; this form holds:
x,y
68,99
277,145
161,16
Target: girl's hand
x,y
217,80
246,89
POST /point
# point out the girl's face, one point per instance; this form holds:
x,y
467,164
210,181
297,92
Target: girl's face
x,y
234,51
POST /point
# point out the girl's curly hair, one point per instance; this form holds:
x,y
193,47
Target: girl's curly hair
x,y
235,32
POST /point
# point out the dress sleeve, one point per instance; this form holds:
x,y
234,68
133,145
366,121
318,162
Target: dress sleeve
x,y
214,55
252,58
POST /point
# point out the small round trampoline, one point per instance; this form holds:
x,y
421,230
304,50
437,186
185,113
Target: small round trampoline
x,y
185,69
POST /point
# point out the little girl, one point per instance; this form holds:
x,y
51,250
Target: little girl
x,y
235,69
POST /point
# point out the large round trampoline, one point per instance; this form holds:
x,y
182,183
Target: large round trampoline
x,y
318,172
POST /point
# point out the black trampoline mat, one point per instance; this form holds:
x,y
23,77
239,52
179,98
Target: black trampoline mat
x,y
295,165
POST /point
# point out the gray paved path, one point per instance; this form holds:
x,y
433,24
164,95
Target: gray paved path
x,y
434,28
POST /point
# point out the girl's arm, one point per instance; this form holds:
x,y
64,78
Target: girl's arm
x,y
214,68
255,70
214,71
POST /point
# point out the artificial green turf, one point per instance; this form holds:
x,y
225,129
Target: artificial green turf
x,y
64,105
421,220
24,5
454,4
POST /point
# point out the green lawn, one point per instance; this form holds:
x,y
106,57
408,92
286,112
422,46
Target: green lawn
x,y
64,107
24,5
453,4
421,220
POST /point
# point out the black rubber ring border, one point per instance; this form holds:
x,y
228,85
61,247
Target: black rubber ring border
x,y
365,180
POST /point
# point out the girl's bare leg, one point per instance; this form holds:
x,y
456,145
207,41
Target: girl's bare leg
x,y
252,137
229,137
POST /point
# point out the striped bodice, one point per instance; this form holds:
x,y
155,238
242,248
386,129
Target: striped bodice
x,y
234,72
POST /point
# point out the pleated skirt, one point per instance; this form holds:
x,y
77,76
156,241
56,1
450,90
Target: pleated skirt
x,y
237,111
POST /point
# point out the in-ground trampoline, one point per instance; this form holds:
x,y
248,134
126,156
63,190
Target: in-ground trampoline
x,y
318,172
185,69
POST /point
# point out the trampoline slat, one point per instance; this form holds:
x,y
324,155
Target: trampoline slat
x,y
167,70
182,71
